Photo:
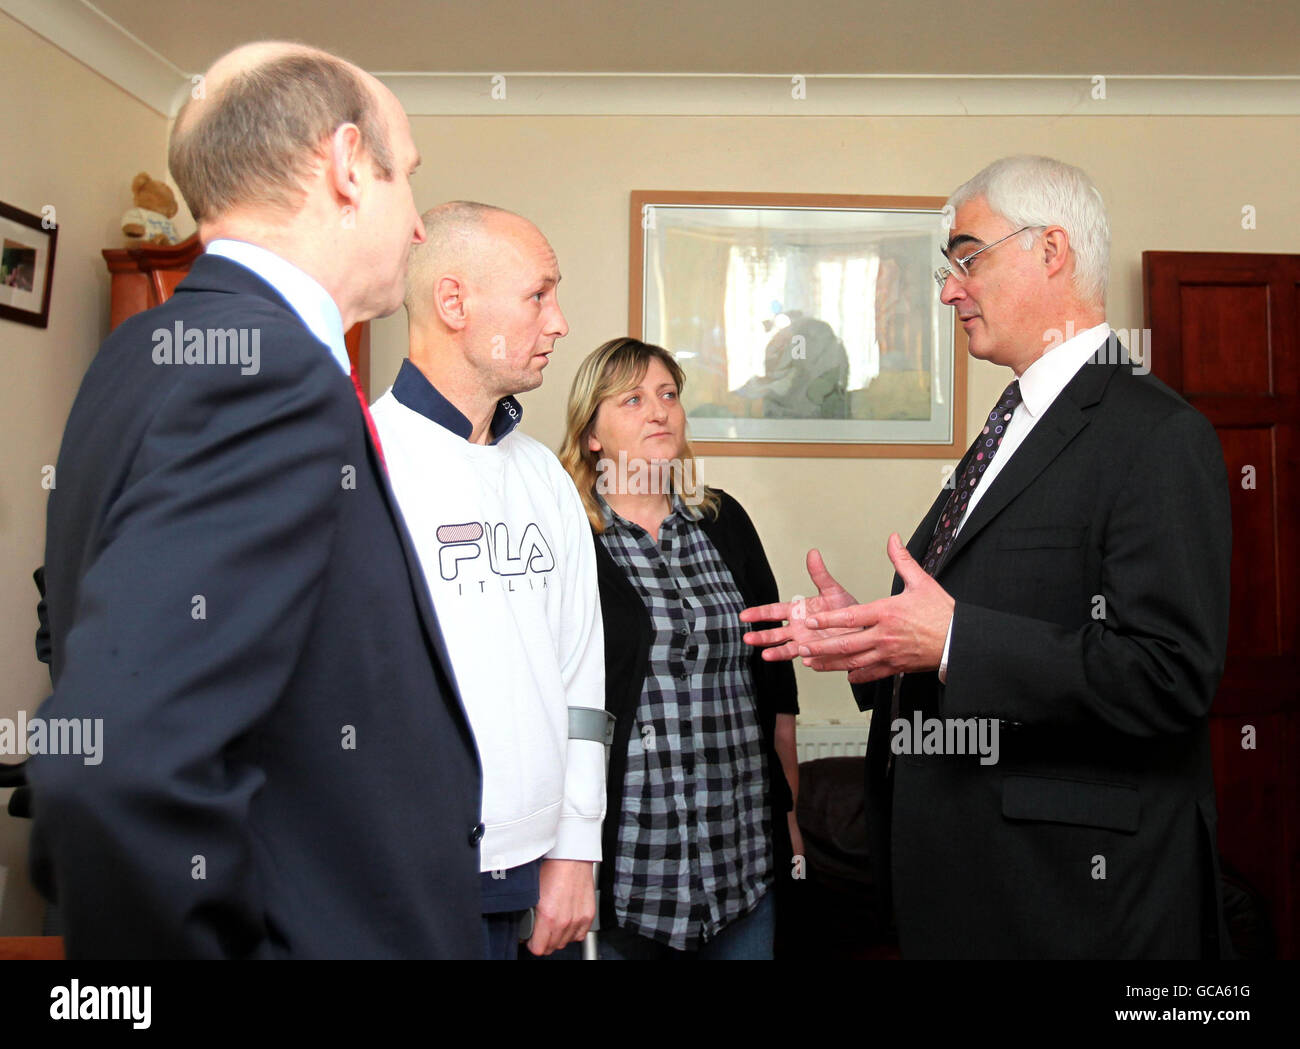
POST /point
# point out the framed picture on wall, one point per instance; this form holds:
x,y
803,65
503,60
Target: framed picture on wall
x,y
27,245
806,324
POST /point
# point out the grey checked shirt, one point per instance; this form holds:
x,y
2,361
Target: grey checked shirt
x,y
694,840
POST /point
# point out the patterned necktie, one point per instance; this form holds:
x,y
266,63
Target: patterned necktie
x,y
985,448
370,422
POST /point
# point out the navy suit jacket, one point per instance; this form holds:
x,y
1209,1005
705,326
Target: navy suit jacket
x,y
1091,589
286,768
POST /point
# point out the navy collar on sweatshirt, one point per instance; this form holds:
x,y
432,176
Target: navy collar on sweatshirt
x,y
416,392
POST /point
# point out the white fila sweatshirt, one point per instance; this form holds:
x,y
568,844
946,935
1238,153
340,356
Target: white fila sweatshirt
x,y
508,556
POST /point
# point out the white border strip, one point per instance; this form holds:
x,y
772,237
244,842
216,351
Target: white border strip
x,y
90,36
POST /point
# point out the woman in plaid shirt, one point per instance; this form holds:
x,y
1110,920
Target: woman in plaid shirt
x,y
702,776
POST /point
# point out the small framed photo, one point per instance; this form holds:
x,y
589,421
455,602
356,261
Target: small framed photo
x,y
806,324
27,245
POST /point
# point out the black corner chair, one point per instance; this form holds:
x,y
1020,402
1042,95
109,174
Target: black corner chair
x,y
20,801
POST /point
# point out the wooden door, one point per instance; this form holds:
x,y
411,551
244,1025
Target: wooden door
x,y
1225,333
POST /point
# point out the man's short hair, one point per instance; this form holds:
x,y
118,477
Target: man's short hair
x,y
1040,191
253,143
449,230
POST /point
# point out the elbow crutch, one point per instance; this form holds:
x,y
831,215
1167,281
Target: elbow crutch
x,y
595,724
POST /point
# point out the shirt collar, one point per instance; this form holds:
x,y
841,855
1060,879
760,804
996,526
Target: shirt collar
x,y
678,510
608,517
1043,380
413,389
303,293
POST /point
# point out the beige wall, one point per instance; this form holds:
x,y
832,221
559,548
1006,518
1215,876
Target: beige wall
x,y
1171,183
74,140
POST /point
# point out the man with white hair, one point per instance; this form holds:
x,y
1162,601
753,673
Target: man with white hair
x,y
1065,600
286,769
509,559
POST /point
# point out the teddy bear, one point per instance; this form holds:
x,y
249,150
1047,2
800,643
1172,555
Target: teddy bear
x,y
150,220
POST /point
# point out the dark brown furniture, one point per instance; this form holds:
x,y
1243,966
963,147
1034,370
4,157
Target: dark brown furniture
x,y
146,276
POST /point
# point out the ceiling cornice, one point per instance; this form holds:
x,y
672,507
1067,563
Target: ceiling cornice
x,y
95,40
84,32
708,94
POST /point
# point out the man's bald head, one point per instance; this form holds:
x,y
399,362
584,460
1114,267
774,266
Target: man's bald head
x,y
462,238
482,306
260,124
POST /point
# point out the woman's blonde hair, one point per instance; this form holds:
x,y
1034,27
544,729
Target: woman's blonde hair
x,y
613,368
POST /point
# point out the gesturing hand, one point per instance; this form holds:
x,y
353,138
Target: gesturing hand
x,y
785,640
896,635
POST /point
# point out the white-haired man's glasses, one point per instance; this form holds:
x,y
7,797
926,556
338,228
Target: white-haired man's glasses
x,y
960,267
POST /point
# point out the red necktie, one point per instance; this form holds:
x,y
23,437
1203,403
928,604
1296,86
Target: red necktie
x,y
370,422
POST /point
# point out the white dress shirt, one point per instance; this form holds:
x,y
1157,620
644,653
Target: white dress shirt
x,y
303,293
1040,385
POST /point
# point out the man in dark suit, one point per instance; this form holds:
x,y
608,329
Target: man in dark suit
x,y
286,769
1067,597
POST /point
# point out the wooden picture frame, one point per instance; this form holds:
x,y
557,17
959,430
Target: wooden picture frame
x,y
27,245
853,356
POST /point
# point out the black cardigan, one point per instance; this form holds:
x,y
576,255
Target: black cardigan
x,y
627,657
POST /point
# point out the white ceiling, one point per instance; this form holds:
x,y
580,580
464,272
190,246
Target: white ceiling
x,y
1187,37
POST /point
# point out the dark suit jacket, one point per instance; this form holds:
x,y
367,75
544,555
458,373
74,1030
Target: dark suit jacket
x,y
286,767
1119,493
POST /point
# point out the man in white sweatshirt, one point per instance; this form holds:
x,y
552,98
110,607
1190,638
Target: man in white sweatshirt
x,y
508,556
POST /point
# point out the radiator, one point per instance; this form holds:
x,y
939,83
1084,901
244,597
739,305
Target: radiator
x,y
831,741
